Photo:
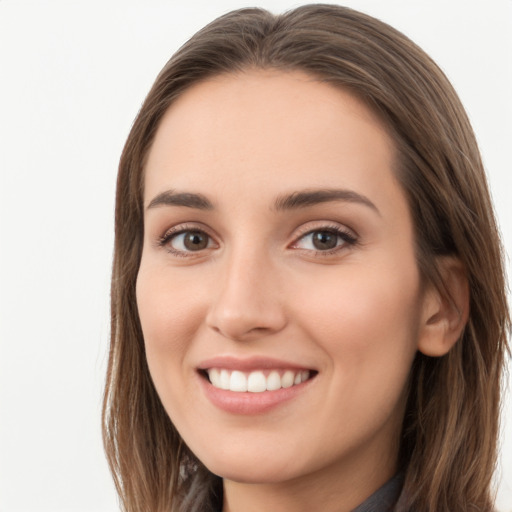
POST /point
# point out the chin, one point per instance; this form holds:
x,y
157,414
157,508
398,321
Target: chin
x,y
251,475
243,468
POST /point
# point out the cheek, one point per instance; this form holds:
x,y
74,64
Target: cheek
x,y
169,320
367,321
170,314
368,329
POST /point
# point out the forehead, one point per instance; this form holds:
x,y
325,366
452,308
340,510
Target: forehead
x,y
271,126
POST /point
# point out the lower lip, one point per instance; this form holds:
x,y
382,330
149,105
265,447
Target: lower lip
x,y
250,403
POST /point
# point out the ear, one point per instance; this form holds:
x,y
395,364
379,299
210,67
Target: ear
x,y
445,312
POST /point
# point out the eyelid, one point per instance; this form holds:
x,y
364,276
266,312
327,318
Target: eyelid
x,y
348,235
164,240
323,225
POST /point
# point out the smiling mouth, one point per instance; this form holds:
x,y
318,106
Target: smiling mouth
x,y
256,381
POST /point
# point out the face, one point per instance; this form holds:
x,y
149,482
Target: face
x,y
278,291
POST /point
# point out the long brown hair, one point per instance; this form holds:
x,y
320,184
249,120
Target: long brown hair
x,y
449,438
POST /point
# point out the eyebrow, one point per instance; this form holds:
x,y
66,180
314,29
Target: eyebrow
x,y
187,199
307,198
293,201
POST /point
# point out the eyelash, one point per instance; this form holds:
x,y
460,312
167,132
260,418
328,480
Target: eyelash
x,y
164,241
349,239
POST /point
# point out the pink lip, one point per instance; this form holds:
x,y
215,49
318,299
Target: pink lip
x,y
249,403
249,364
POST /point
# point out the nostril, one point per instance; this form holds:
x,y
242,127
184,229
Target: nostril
x,y
244,324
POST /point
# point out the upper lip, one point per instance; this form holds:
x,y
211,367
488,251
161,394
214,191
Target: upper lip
x,y
249,364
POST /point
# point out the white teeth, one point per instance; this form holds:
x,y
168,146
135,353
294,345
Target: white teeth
x,y
214,375
224,380
273,381
287,379
256,381
238,382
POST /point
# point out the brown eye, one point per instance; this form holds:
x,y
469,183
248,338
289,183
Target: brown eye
x,y
195,240
189,241
324,240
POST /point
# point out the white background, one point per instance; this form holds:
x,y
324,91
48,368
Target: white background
x,y
72,77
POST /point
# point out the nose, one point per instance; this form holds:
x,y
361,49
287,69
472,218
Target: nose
x,y
248,303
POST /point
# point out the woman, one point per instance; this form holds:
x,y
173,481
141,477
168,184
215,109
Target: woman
x,y
308,299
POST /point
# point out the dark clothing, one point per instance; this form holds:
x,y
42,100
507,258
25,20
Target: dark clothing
x,y
385,498
382,500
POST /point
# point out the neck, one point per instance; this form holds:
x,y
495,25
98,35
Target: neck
x,y
338,488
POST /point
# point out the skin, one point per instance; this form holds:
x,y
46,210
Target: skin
x,y
356,316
